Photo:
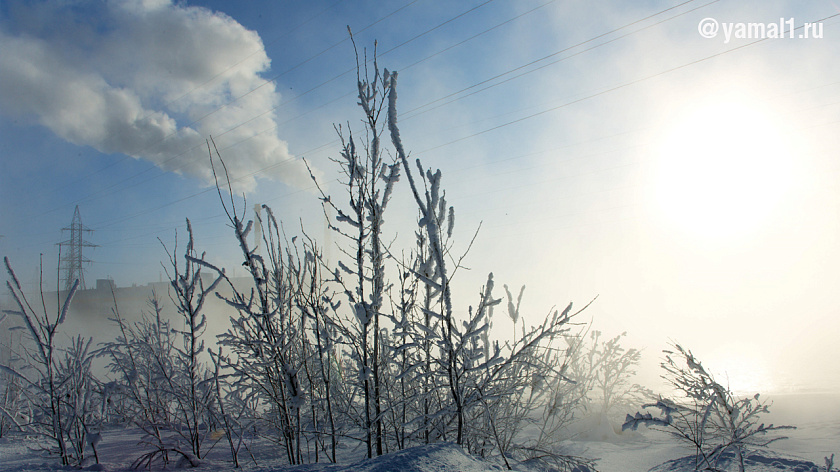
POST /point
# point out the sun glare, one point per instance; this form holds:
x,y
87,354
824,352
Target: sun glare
x,y
721,169
741,369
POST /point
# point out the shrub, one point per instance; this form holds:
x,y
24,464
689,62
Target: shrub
x,y
60,388
141,357
707,416
389,375
13,403
163,385
602,369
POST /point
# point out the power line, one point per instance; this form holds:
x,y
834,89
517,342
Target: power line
x,y
604,92
558,52
576,101
462,42
118,186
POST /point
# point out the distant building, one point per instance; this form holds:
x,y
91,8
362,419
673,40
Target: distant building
x,y
91,311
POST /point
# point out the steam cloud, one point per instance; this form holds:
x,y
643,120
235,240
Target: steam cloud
x,y
133,77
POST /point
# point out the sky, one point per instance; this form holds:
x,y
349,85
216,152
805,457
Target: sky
x,y
605,149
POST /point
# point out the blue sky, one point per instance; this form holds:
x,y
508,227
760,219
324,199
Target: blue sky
x,y
605,148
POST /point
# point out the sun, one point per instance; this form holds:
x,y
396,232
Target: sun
x,y
721,168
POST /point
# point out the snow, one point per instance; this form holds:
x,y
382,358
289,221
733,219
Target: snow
x,y
596,437
119,451
430,458
760,461
816,416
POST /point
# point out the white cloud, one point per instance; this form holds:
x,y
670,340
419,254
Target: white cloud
x,y
146,79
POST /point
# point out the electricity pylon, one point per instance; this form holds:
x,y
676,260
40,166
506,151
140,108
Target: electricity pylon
x,y
71,260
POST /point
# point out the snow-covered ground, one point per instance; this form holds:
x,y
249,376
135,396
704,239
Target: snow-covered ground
x,y
817,418
817,435
805,450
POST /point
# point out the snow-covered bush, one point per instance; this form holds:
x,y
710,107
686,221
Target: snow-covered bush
x,y
13,404
369,183
236,414
270,356
319,352
141,358
326,391
81,400
602,370
332,351
707,416
60,389
42,358
191,382
162,382
493,390
413,394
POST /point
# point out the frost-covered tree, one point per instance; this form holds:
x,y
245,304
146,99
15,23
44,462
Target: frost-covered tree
x,y
162,384
315,301
236,413
332,351
13,404
82,401
602,370
266,341
57,383
369,183
140,359
408,391
485,381
191,381
561,402
707,415
41,357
